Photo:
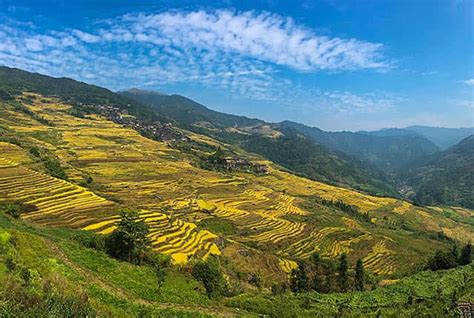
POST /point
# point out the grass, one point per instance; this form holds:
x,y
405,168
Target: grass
x,y
219,226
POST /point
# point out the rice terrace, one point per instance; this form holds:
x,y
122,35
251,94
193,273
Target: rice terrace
x,y
118,202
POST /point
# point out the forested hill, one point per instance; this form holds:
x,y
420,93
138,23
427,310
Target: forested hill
x,y
447,178
392,152
187,111
14,81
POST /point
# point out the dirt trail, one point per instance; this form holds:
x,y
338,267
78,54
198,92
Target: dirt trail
x,y
93,278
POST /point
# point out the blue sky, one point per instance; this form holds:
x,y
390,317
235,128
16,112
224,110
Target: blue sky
x,y
338,65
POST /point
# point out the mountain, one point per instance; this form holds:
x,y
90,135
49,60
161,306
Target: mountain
x,y
99,219
446,178
392,152
279,143
441,137
187,111
14,81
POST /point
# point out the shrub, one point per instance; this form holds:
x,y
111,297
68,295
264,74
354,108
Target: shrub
x,y
129,241
11,209
210,275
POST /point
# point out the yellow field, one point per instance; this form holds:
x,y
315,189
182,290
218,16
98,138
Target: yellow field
x,y
174,196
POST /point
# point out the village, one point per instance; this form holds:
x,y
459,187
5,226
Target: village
x,y
155,130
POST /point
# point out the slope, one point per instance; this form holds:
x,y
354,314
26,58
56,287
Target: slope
x,y
66,278
275,142
272,219
446,178
440,136
391,152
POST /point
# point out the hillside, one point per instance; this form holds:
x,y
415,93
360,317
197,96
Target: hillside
x,y
390,152
278,143
69,278
187,111
276,217
447,178
72,167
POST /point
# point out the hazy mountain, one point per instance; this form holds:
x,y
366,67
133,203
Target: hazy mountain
x,y
391,151
442,137
446,178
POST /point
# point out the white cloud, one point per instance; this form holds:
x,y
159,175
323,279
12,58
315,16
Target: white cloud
x,y
242,54
469,82
263,36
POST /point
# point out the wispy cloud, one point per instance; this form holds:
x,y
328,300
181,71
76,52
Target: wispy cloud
x,y
244,53
469,82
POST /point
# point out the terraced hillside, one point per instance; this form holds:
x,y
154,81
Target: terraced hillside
x,y
264,222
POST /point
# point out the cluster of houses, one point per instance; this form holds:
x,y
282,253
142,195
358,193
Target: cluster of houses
x,y
155,130
237,163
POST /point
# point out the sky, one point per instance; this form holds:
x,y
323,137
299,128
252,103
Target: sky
x,y
337,65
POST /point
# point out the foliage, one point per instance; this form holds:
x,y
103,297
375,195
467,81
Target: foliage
x,y
442,260
54,168
299,280
12,209
466,255
342,273
129,241
209,274
359,276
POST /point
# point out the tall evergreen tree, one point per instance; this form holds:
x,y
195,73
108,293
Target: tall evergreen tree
x,y
359,275
466,254
299,281
342,278
329,284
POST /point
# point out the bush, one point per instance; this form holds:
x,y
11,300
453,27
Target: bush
x,y
210,275
11,209
129,241
54,169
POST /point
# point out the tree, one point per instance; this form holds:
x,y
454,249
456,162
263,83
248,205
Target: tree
x,y
210,275
466,255
329,284
342,277
160,263
129,241
317,281
442,260
454,251
299,281
359,276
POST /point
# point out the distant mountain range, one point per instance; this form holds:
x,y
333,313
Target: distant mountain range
x,y
440,136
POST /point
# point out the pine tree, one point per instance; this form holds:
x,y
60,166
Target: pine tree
x,y
342,278
359,275
466,255
299,281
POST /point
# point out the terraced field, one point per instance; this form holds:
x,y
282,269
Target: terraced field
x,y
174,197
380,260
53,201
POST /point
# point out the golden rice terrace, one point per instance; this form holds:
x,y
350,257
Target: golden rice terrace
x,y
272,220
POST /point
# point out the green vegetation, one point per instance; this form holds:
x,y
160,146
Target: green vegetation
x,y
445,178
217,225
11,209
129,241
